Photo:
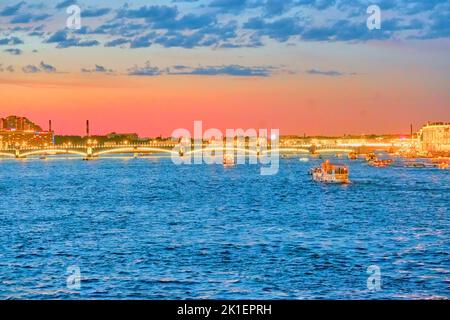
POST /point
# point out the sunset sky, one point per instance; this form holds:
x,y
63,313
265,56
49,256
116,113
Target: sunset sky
x,y
303,66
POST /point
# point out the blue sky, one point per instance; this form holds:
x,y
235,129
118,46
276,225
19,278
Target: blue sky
x,y
204,26
220,23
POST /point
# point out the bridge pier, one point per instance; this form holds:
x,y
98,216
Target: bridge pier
x,y
17,154
89,154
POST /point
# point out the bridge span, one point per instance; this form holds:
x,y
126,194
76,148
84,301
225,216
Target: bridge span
x,y
95,151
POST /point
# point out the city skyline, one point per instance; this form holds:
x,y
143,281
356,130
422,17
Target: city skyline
x,y
23,123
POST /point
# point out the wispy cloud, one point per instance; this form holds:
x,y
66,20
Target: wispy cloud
x,y
31,69
47,67
13,51
98,69
11,10
8,68
63,40
65,4
43,67
30,17
223,70
95,12
117,42
10,41
147,70
328,73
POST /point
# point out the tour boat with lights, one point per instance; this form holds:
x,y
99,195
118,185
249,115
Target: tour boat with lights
x,y
331,173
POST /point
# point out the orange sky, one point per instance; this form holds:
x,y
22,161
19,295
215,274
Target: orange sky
x,y
295,104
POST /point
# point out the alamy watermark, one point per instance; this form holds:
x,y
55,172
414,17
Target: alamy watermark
x,y
73,281
374,20
374,279
73,22
235,145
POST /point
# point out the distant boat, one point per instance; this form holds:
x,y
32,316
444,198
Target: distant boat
x,y
331,173
352,156
443,165
381,163
415,165
371,157
304,159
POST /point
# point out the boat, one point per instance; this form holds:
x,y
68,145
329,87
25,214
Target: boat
x,y
370,157
443,165
352,156
304,159
415,165
331,173
138,155
228,160
381,163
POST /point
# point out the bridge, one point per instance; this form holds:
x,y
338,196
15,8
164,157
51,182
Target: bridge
x,y
168,148
93,150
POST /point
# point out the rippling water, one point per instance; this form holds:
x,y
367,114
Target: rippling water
x,y
145,228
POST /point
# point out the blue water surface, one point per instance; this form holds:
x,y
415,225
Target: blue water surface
x,y
148,229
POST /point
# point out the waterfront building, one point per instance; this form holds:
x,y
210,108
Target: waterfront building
x,y
435,138
21,132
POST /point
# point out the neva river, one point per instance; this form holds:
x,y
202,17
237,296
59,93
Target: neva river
x,y
147,229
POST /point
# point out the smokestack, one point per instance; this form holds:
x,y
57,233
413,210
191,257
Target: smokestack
x,y
49,125
411,131
87,128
